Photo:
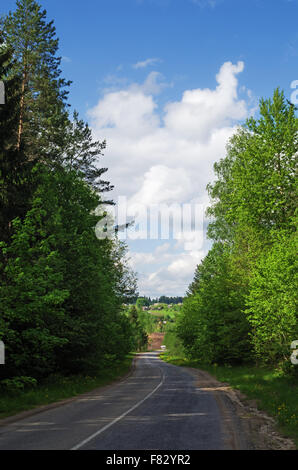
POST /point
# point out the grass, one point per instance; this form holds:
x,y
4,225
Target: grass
x,y
274,391
58,388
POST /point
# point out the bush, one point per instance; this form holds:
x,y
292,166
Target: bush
x,y
17,384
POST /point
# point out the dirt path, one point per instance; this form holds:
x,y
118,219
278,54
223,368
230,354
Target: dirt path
x,y
252,428
155,341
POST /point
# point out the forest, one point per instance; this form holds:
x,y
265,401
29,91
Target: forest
x,y
64,292
241,307
62,288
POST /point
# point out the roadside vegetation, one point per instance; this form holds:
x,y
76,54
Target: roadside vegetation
x,y
62,282
271,390
241,307
23,397
70,312
239,317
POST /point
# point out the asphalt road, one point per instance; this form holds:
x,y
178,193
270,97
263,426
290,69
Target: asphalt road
x,y
158,407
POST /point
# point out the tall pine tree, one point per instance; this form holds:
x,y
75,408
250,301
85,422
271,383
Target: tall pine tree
x,y
45,130
14,168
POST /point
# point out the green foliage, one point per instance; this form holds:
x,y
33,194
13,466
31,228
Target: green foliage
x,y
271,303
78,151
17,384
169,300
147,321
62,288
139,333
147,301
172,342
241,303
256,184
142,302
31,296
212,326
61,299
44,128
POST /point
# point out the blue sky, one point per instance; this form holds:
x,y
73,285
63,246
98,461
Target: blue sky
x,y
166,82
190,39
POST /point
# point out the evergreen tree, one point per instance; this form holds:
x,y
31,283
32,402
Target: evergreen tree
x,y
45,129
60,298
32,294
62,288
14,169
42,107
80,152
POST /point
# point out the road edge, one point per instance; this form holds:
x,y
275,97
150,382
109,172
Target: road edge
x,y
40,408
246,427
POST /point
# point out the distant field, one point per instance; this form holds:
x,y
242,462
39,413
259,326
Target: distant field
x,y
163,313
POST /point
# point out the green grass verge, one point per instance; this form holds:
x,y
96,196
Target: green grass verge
x,y
274,392
58,388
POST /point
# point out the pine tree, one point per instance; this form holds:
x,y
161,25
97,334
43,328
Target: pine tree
x,y
80,152
45,129
14,169
42,107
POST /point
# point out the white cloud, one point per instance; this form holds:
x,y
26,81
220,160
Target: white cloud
x,y
145,63
129,112
166,156
163,185
164,271
172,279
201,113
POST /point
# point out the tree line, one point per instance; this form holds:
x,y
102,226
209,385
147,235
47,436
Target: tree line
x,y
241,306
147,301
62,288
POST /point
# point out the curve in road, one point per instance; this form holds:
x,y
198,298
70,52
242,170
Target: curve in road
x,y
158,407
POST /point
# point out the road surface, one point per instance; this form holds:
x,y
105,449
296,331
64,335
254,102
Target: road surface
x,y
157,407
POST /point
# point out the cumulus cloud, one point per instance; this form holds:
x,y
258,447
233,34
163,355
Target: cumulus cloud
x,y
166,156
201,113
173,278
162,184
173,273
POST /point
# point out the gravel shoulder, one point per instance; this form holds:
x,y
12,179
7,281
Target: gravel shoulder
x,y
245,426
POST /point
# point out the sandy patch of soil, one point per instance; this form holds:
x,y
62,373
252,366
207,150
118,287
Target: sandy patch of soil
x,y
155,341
244,426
